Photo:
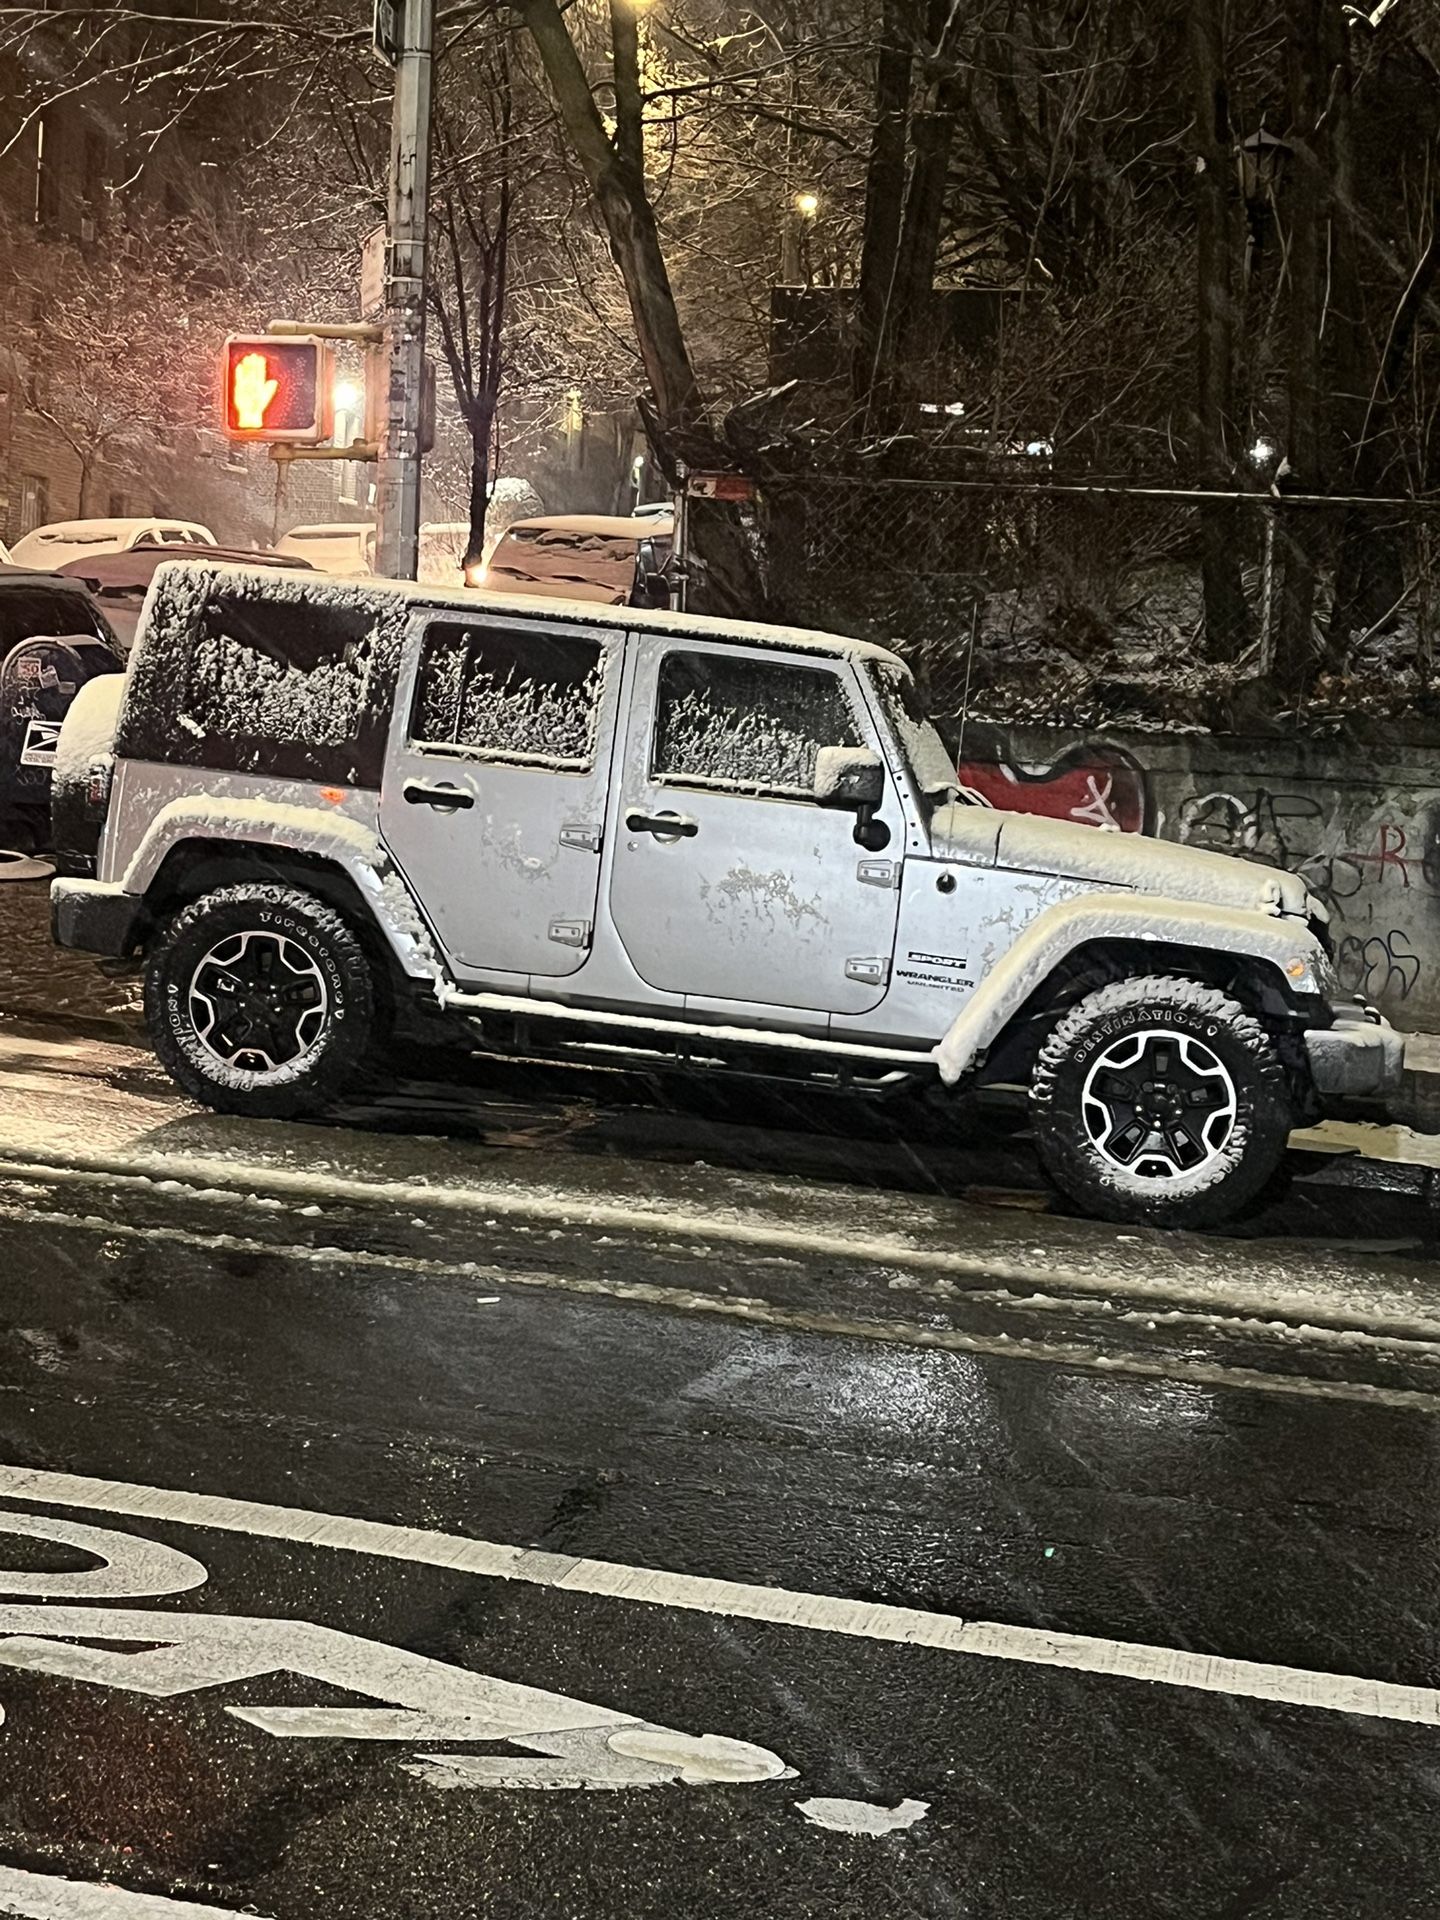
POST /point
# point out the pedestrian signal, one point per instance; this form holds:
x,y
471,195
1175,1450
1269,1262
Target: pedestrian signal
x,y
277,389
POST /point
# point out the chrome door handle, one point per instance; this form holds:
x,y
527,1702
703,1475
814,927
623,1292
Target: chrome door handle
x,y
664,826
447,798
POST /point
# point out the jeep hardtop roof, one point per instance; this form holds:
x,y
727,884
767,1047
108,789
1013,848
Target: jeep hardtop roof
x,y
547,611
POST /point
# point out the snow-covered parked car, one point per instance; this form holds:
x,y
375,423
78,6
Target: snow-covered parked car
x,y
645,834
344,547
65,540
120,581
614,562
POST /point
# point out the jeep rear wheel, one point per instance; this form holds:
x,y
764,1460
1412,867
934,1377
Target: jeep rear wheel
x,y
259,1000
1160,1100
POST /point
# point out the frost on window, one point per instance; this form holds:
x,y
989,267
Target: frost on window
x,y
747,722
278,673
253,674
533,699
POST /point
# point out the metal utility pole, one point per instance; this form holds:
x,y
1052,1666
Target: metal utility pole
x,y
405,31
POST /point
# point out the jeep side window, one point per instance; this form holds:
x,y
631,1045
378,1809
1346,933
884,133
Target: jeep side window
x,y
529,699
738,721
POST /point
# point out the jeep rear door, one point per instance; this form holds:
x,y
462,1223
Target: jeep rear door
x,y
729,882
494,793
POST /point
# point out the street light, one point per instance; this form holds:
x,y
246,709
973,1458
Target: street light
x,y
799,225
347,397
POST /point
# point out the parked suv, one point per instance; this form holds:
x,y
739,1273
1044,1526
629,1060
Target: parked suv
x,y
592,827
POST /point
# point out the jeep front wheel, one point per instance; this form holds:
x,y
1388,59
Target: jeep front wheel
x,y
260,1001
1160,1101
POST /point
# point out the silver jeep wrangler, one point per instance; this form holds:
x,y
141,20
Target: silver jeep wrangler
x,y
643,834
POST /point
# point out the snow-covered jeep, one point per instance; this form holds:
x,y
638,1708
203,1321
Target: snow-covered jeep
x,y
632,834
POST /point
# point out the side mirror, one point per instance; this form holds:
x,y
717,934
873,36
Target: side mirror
x,y
854,778
849,777
655,590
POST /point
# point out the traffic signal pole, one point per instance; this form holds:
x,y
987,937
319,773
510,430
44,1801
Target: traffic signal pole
x,y
398,491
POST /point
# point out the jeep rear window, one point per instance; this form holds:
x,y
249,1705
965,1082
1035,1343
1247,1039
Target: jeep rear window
x,y
529,699
741,721
292,683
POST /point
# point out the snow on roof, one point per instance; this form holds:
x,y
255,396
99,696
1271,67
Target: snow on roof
x,y
614,526
330,530
76,532
464,600
130,570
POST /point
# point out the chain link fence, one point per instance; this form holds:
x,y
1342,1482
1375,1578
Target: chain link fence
x,y
1063,585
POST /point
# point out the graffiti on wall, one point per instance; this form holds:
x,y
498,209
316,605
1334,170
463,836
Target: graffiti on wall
x,y
1096,785
1382,967
1367,854
1278,829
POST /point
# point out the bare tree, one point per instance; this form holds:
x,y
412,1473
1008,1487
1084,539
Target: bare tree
x,y
471,208
109,388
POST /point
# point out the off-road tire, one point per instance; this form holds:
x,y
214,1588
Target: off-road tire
x,y
318,951
1240,1160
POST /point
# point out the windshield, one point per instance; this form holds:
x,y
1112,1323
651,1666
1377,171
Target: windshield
x,y
931,765
26,612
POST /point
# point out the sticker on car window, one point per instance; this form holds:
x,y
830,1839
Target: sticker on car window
x,y
41,739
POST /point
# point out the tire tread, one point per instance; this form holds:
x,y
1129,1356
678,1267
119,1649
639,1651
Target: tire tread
x,y
1236,1182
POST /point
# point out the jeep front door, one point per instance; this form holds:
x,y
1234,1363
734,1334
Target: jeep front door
x,y
495,785
729,881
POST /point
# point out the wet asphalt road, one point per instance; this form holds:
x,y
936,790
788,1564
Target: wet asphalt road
x,y
1247,1508
1254,1526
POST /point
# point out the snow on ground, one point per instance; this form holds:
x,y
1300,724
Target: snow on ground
x,y
105,1111
47,982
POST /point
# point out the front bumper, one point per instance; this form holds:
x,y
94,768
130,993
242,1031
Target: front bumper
x,y
94,916
1360,1057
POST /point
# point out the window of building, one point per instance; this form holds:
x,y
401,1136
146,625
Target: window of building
x,y
47,179
34,502
527,698
347,428
739,721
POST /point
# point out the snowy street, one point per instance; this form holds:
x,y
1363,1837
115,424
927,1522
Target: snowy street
x,y
889,1515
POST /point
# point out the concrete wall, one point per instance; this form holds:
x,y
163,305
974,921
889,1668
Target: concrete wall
x,y
1362,829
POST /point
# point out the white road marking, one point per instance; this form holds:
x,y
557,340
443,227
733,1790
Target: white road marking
x,y
424,1699
131,1568
862,1816
637,1756
775,1606
40,1896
